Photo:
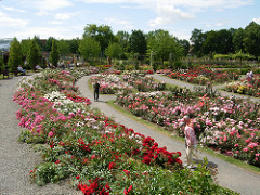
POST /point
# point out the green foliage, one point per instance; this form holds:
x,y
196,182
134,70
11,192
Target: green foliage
x,y
198,38
186,46
48,44
137,42
33,57
252,39
25,44
74,46
102,34
15,55
122,37
160,45
113,50
54,56
89,47
238,39
63,47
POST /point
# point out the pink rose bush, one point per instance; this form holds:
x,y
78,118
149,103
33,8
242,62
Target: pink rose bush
x,y
231,126
95,153
200,75
245,86
111,83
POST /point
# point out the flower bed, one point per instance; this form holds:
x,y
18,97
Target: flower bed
x,y
246,86
97,154
200,75
111,83
232,126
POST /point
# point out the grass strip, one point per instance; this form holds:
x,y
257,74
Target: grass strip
x,y
233,161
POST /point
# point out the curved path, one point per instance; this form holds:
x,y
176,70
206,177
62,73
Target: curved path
x,y
17,159
230,176
191,87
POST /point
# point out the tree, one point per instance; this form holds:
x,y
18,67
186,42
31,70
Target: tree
x,y
15,55
54,55
198,38
252,39
122,37
48,44
219,41
74,46
39,42
113,50
25,44
137,43
161,44
238,39
89,47
186,46
33,54
103,34
63,47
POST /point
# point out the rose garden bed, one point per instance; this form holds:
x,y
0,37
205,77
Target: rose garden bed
x,y
200,75
98,155
230,126
112,83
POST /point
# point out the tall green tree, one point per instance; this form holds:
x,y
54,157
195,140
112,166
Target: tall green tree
x,y
63,47
16,56
54,55
218,41
33,57
198,38
238,39
25,44
137,43
74,46
48,44
89,47
161,44
113,50
39,42
186,46
122,37
103,34
252,39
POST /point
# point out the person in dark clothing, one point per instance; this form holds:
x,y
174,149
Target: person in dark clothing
x,y
96,91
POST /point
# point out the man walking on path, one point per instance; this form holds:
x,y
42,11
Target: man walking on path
x,y
96,91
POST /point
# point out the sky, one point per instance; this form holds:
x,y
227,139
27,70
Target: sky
x,y
66,19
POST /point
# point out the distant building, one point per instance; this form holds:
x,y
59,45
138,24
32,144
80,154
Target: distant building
x,y
5,44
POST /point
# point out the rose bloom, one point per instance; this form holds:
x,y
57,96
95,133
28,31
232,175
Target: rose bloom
x,y
245,149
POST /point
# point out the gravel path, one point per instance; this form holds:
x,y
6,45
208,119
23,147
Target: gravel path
x,y
191,86
17,159
230,176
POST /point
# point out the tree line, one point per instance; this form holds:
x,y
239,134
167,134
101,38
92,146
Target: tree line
x,y
227,41
157,45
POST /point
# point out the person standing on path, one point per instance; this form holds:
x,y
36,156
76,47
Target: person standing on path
x,y
190,140
96,91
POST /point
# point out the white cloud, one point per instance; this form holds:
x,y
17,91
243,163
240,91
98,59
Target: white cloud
x,y
220,24
55,22
51,5
115,21
14,10
42,13
188,3
46,32
62,16
6,21
167,15
257,20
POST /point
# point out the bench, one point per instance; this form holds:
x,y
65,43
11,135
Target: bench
x,y
16,72
5,73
